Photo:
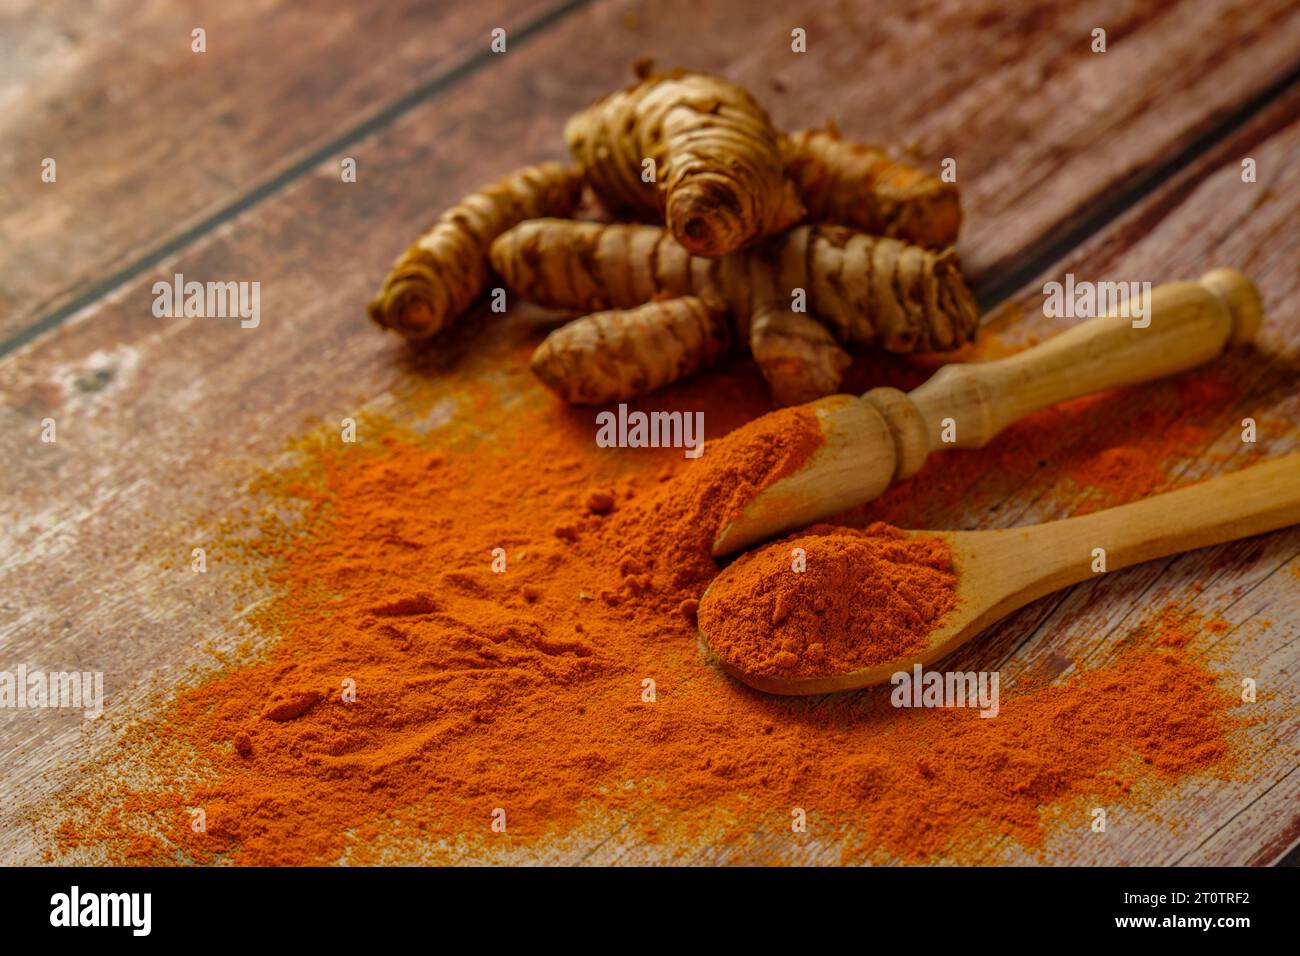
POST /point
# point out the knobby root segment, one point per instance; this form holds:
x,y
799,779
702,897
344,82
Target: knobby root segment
x,y
859,289
862,186
439,277
719,179
798,357
616,355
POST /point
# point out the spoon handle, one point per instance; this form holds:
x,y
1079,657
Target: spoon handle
x,y
1252,501
1184,324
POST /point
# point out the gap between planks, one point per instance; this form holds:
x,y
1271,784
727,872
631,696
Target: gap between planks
x,y
1127,194
442,81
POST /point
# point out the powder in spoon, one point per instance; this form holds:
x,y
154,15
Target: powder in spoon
x,y
861,598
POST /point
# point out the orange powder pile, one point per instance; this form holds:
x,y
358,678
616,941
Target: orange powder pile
x,y
858,598
667,537
412,697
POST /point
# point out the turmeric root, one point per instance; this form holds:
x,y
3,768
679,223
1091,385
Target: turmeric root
x,y
860,289
616,355
798,357
591,266
437,278
866,290
719,178
861,186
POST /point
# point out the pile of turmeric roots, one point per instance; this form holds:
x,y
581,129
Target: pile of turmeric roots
x,y
729,233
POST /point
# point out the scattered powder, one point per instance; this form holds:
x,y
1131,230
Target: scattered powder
x,y
409,691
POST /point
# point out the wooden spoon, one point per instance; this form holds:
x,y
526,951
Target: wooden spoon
x,y
886,435
1000,571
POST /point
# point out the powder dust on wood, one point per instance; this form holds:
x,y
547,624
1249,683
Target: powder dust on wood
x,y
409,690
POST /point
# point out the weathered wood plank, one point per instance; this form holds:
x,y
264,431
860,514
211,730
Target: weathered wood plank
x,y
151,139
1037,122
161,421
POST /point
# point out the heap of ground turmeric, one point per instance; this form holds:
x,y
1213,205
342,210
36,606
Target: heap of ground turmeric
x,y
851,600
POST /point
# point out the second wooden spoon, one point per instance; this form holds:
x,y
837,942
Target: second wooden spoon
x,y
1003,570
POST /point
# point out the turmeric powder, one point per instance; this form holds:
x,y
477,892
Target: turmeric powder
x,y
438,277
861,598
862,289
476,691
718,176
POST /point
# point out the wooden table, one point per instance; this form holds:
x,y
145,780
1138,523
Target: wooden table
x,y
1113,165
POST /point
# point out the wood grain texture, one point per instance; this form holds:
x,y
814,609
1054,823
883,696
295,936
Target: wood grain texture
x,y
124,125
161,422
151,138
